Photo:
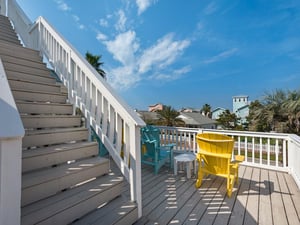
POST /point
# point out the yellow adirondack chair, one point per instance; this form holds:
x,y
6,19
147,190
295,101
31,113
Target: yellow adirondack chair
x,y
214,157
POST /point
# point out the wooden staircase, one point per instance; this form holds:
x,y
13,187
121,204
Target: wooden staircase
x,y
64,180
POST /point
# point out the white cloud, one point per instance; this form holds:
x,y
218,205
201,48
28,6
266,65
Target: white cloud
x,y
120,25
171,75
123,77
62,5
183,70
162,54
77,19
101,37
103,23
210,8
221,56
143,5
123,47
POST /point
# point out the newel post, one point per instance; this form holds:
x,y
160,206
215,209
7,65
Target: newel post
x,y
11,133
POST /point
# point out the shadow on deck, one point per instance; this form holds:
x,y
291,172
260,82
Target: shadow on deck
x,y
261,197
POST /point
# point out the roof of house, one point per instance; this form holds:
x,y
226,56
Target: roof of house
x,y
218,108
146,115
196,119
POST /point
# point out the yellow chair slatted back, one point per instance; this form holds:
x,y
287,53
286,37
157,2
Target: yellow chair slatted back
x,y
216,144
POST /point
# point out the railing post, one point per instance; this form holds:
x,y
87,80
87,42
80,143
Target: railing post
x,y
10,180
135,168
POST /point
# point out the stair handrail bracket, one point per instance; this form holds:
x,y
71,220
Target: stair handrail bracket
x,y
11,134
116,124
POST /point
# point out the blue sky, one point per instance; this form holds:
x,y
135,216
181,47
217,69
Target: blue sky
x,y
184,53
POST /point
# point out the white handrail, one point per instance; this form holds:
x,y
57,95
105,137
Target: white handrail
x,y
275,151
112,119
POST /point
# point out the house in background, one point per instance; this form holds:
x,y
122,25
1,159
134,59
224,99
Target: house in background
x,y
197,120
156,107
148,117
240,107
217,112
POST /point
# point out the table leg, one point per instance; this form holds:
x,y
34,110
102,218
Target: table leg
x,y
188,170
175,167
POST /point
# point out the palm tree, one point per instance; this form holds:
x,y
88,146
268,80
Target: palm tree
x,y
292,105
168,116
275,113
229,120
94,60
206,109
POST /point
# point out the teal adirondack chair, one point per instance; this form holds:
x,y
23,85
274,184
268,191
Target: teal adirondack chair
x,y
152,152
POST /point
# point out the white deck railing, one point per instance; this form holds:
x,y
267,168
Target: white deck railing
x,y
116,124
266,150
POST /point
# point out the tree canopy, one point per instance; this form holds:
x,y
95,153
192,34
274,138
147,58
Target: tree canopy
x,y
168,117
94,60
277,111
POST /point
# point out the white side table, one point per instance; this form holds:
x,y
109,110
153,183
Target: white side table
x,y
188,159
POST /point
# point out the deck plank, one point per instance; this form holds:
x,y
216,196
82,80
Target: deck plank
x,y
238,211
170,199
278,212
251,216
226,209
290,210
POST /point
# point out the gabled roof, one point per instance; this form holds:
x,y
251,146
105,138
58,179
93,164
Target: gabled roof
x,y
218,108
195,119
146,115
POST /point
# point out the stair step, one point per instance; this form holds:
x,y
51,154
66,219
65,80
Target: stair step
x,y
21,76
6,26
34,86
10,39
44,108
38,96
38,64
7,46
41,184
8,34
66,206
34,138
50,121
33,159
26,69
4,19
118,212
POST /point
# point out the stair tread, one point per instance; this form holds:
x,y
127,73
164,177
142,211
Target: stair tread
x,y
9,45
109,214
43,92
38,63
35,82
50,116
46,208
35,86
54,130
41,176
55,148
42,103
21,76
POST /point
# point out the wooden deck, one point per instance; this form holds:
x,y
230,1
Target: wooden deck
x,y
261,197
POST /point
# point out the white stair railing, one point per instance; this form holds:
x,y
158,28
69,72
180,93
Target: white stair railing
x,y
116,124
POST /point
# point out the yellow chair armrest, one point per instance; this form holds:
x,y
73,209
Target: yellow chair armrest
x,y
218,155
